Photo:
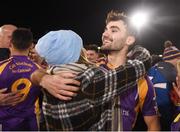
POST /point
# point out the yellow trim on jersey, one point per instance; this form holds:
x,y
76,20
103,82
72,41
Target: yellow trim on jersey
x,y
177,118
137,111
3,66
37,65
37,112
142,87
142,90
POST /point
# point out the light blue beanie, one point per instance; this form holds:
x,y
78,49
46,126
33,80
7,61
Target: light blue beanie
x,y
60,47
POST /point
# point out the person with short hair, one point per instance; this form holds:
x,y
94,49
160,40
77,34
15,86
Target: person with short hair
x,y
162,75
92,53
15,76
5,37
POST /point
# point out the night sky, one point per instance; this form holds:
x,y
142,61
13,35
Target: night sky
x,y
87,18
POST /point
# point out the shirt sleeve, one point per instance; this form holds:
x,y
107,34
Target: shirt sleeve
x,y
102,85
147,98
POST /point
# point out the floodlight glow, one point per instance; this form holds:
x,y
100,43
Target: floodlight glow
x,y
139,19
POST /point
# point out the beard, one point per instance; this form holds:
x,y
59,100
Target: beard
x,y
110,48
110,44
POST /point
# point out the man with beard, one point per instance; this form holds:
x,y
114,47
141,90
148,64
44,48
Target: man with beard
x,y
98,92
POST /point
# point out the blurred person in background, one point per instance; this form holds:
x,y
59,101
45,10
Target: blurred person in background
x,y
92,53
175,126
15,77
5,37
162,75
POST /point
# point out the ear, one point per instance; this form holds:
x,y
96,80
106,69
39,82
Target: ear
x,y
130,40
32,46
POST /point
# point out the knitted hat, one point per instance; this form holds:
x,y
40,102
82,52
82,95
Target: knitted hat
x,y
170,51
60,47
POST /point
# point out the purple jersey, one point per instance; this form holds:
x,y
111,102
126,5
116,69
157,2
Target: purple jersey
x,y
15,75
175,125
141,98
127,105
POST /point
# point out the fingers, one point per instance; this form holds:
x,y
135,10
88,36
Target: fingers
x,y
11,98
59,79
178,81
66,78
70,75
15,101
174,86
61,97
68,87
13,94
177,89
71,82
3,90
65,83
62,85
67,93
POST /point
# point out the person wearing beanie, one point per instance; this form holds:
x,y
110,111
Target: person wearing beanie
x,y
163,74
171,53
60,47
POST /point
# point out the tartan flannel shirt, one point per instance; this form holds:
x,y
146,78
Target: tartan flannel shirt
x,y
91,108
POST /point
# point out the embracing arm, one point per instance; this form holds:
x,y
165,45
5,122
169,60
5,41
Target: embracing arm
x,y
105,84
57,85
119,79
11,98
152,123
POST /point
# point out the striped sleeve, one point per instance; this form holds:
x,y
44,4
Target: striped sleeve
x,y
102,85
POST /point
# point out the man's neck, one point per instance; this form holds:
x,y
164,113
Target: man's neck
x,y
117,58
19,53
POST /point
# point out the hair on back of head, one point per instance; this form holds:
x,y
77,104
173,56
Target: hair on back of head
x,y
92,47
22,38
167,44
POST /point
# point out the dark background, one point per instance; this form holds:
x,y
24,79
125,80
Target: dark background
x,y
87,18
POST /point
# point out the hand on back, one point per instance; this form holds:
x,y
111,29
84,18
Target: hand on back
x,y
62,85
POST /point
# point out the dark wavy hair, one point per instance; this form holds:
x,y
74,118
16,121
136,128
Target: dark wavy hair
x,y
22,38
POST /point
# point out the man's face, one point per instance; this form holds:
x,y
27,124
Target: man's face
x,y
6,35
92,55
114,36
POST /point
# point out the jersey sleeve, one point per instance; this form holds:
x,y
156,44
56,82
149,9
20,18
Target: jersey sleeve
x,y
147,98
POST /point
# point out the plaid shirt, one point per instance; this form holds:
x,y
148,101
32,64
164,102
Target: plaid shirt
x,y
91,108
